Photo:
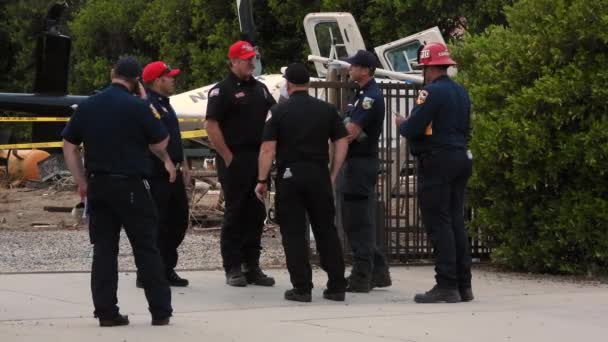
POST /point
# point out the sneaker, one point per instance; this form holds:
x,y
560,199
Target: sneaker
x,y
382,279
438,295
176,280
257,277
298,296
115,321
466,294
235,277
337,296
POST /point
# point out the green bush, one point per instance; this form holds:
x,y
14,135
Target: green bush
x,y
539,88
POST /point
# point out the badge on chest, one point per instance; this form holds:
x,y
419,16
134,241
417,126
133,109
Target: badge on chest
x,y
240,95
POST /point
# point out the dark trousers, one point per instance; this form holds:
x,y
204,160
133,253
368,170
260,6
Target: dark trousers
x,y
116,202
442,178
244,214
172,205
306,188
359,215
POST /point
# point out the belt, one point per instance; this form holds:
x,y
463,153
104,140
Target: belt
x,y
111,175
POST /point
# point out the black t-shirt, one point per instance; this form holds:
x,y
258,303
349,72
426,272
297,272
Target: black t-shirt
x,y
302,126
240,107
116,129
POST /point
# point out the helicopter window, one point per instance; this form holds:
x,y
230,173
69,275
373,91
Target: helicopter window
x,y
329,37
402,56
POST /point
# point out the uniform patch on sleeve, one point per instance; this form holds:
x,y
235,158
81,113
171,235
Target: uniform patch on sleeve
x,y
154,112
367,102
269,116
214,92
422,95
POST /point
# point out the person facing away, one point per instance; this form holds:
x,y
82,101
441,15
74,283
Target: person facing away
x,y
297,132
117,129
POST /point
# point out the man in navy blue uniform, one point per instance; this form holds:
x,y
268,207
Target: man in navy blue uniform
x,y
170,198
364,121
117,130
236,112
297,131
437,131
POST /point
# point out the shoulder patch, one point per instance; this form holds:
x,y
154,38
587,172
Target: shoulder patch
x,y
214,92
268,116
367,102
154,112
422,95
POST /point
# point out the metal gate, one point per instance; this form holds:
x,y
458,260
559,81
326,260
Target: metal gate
x,y
401,234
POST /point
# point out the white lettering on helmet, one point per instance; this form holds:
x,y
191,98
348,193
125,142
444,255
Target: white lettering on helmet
x,y
425,54
444,53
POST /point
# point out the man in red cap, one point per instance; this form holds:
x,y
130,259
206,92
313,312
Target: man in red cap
x,y
171,199
236,112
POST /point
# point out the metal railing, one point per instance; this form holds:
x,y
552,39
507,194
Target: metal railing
x,y
401,233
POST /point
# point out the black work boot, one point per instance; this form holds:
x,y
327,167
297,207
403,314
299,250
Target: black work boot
x,y
298,295
234,277
466,294
381,279
255,276
115,321
357,282
438,295
176,280
160,321
338,296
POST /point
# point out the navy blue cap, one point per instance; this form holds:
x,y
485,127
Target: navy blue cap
x,y
297,73
127,67
363,58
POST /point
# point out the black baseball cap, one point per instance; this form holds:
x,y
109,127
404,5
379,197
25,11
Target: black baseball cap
x,y
127,67
363,58
297,73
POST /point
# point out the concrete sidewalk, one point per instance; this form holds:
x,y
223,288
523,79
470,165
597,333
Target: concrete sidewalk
x,y
40,307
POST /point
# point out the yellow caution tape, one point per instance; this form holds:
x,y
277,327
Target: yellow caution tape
x,y
31,145
199,133
32,119
190,119
64,119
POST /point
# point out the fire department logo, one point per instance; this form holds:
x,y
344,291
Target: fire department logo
x,y
367,103
422,97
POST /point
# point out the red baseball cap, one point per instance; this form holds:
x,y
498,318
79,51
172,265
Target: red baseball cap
x,y
157,69
241,50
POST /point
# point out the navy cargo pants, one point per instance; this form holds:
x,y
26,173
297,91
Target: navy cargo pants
x,y
359,215
244,214
305,188
114,202
442,178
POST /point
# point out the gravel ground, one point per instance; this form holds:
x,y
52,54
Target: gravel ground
x,y
70,250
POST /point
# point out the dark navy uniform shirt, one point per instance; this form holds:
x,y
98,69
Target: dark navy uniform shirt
x,y
116,129
367,110
162,107
240,107
302,126
440,119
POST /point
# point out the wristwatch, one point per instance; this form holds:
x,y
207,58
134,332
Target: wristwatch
x,y
262,181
